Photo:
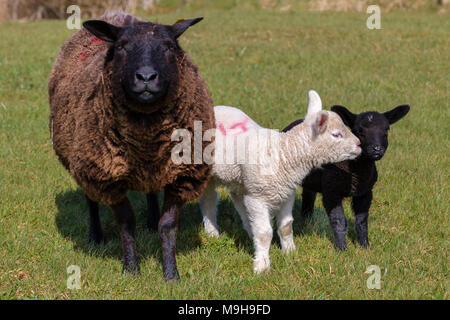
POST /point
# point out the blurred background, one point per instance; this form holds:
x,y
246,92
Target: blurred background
x,y
26,10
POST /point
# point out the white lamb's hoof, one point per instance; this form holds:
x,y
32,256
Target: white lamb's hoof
x,y
288,247
212,231
261,265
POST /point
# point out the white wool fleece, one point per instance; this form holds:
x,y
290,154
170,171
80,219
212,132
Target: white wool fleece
x,y
262,169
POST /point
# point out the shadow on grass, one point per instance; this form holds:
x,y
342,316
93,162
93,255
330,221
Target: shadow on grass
x,y
72,221
230,223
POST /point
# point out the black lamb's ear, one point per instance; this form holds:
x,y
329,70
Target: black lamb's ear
x,y
181,26
397,113
102,30
346,116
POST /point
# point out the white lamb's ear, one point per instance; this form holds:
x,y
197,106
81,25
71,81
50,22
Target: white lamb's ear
x,y
315,104
319,123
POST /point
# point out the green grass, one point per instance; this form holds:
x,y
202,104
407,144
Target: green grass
x,y
263,62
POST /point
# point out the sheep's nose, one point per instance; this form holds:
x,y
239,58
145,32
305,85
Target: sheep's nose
x,y
146,74
377,148
358,143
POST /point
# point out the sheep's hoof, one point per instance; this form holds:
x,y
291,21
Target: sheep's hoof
x,y
364,244
132,269
260,266
340,246
172,276
96,238
288,248
152,227
212,231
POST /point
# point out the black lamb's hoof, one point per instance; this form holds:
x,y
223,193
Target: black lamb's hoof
x,y
96,238
132,269
340,245
364,244
171,275
152,226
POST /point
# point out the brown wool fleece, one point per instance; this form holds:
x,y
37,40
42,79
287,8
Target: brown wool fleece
x,y
109,149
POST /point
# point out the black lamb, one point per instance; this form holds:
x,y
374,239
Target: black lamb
x,y
351,178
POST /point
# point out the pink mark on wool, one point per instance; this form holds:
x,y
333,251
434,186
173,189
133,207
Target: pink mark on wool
x,y
94,39
83,56
241,124
222,129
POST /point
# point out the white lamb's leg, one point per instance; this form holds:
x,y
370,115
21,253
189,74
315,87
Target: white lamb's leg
x,y
259,220
284,222
238,201
208,207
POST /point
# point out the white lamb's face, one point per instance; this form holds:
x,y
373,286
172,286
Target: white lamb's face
x,y
337,143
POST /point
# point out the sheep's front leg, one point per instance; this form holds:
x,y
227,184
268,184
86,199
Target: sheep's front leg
x,y
208,207
284,222
361,206
95,225
308,199
338,222
126,221
152,212
259,220
167,228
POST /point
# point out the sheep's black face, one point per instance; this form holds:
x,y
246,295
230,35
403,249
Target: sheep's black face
x,y
372,128
144,60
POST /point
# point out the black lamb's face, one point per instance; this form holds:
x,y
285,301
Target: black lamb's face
x,y
372,128
144,60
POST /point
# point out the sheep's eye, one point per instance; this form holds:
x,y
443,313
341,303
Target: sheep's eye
x,y
336,134
170,47
121,45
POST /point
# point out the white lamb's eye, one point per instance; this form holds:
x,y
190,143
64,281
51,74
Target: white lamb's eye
x,y
336,134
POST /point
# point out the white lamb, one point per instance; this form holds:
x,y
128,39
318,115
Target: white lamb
x,y
262,169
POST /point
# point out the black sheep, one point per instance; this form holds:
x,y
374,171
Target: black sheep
x,y
352,178
119,89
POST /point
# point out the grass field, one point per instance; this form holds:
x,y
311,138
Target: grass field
x,y
263,62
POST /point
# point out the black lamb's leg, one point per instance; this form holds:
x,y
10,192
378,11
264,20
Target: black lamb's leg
x,y
95,225
126,221
167,228
338,222
361,206
308,199
153,212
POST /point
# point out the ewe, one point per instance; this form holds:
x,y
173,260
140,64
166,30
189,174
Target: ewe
x,y
262,168
118,90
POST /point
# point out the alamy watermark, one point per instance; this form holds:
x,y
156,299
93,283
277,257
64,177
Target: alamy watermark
x,y
374,20
374,280
74,278
254,147
74,19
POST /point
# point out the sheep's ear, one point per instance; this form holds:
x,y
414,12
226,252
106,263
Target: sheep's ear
x,y
397,113
319,125
314,104
102,30
181,26
346,116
